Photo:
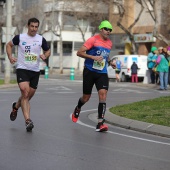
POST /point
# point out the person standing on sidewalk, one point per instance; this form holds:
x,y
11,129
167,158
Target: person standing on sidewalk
x,y
152,56
134,72
162,65
168,52
96,53
27,71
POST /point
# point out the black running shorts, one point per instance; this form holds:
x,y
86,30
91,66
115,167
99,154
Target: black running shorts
x,y
27,75
90,78
117,71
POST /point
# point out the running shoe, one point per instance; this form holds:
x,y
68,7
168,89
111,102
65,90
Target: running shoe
x,y
13,114
101,127
29,125
75,114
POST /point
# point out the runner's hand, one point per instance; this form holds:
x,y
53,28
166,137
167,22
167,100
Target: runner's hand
x,y
98,58
43,57
12,60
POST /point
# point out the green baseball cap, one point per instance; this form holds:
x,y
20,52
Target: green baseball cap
x,y
106,24
154,49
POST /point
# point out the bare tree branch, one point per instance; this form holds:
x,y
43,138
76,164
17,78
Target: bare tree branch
x,y
128,30
150,12
155,5
138,17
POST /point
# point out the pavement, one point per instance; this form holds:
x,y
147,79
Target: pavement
x,y
116,120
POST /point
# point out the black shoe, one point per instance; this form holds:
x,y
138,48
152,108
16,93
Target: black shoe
x,y
29,125
13,114
160,89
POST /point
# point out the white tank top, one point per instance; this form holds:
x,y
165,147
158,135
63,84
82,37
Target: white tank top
x,y
29,50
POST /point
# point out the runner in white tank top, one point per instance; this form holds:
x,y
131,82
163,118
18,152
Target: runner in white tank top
x,y
29,54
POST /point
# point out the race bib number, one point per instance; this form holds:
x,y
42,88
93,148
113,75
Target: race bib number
x,y
99,65
30,58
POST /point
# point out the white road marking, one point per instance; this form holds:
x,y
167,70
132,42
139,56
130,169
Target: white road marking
x,y
120,134
59,88
65,92
123,90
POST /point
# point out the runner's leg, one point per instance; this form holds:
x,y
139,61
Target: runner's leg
x,y
26,94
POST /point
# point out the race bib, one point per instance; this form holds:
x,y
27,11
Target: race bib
x,y
30,58
99,65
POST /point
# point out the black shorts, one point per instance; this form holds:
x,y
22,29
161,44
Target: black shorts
x,y
27,75
90,78
117,71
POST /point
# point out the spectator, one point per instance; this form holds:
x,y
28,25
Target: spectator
x,y
134,71
168,53
160,51
152,56
162,65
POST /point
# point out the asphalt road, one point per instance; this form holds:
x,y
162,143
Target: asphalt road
x,y
57,143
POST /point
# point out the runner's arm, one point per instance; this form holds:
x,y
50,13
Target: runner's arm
x,y
45,54
9,52
82,53
46,50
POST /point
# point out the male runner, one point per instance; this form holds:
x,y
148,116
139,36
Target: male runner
x,y
29,54
96,53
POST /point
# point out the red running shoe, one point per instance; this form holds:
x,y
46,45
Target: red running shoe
x,y
101,127
75,114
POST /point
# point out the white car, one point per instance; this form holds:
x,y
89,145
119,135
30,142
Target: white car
x,y
127,60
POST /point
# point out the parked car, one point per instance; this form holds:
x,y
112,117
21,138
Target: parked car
x,y
127,60
42,66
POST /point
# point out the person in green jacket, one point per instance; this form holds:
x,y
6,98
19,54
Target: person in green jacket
x,y
163,68
168,52
151,60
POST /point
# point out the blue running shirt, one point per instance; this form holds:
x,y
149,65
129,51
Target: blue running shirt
x,y
97,47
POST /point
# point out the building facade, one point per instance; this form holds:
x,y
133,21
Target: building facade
x,y
66,24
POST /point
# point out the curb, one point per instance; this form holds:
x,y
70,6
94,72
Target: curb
x,y
149,128
139,126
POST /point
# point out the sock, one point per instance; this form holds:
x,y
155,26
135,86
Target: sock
x,y
80,103
101,110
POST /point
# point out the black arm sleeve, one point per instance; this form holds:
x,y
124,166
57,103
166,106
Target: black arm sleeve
x,y
45,46
15,40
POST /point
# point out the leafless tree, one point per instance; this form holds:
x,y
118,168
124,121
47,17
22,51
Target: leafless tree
x,y
156,5
93,11
122,14
21,17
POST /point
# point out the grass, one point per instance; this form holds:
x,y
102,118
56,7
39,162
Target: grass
x,y
156,111
11,81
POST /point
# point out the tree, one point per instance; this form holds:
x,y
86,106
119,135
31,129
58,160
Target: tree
x,y
22,15
156,7
92,12
122,14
